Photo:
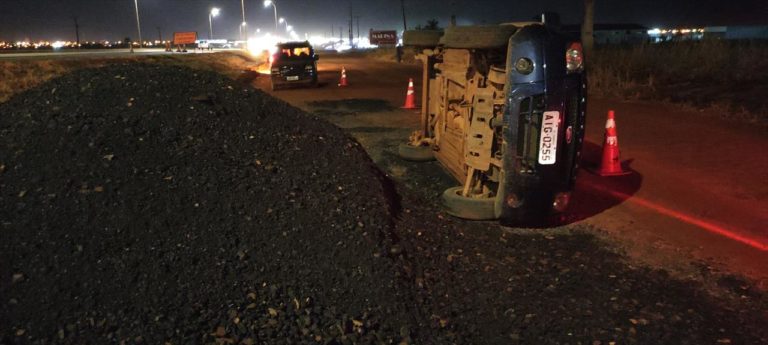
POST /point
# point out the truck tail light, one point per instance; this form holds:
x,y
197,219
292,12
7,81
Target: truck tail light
x,y
561,201
574,58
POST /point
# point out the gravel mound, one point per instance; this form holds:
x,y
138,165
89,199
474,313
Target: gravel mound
x,y
147,203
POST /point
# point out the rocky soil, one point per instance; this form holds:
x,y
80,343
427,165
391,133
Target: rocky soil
x,y
159,204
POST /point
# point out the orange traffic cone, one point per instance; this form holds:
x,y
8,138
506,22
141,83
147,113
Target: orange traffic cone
x,y
410,97
343,80
611,164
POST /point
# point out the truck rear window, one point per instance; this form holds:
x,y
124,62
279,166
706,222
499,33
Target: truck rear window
x,y
295,52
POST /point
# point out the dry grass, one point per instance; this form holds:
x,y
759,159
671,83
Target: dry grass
x,y
390,54
17,76
726,77
723,75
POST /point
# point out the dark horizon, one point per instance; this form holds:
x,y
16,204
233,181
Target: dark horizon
x,y
115,19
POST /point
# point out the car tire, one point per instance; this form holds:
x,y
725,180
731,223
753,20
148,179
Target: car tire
x,y
478,37
415,153
422,38
464,207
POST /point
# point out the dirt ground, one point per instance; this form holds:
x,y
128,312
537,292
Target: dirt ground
x,y
696,198
22,73
153,204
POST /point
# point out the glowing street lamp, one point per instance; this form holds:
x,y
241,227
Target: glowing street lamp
x,y
283,21
243,31
214,13
138,23
268,3
243,28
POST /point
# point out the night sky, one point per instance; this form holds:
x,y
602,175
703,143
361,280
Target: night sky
x,y
115,19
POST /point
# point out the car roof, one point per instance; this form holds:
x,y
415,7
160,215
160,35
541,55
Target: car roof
x,y
294,44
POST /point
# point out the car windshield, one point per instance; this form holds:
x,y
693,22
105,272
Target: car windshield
x,y
295,52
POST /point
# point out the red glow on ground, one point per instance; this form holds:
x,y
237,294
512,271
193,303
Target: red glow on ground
x,y
701,223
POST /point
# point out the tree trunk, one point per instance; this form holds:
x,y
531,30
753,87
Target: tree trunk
x,y
587,28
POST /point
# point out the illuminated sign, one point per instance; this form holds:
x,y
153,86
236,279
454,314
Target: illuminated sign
x,y
383,37
184,37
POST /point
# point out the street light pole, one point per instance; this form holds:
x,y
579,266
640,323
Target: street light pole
x,y
214,12
243,27
138,22
270,2
283,21
405,24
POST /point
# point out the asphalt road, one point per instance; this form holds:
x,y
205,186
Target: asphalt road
x,y
696,199
88,53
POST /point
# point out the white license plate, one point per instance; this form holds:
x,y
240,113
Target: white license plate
x,y
292,78
548,143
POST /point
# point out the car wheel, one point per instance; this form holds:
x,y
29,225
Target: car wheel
x,y
415,153
481,208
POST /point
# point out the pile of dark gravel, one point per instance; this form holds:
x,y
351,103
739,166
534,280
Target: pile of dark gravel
x,y
484,285
147,203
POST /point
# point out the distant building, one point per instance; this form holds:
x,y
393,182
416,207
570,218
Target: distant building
x,y
613,33
620,33
635,33
657,35
743,32
738,32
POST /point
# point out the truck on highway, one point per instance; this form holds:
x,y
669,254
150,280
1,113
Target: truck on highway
x,y
503,111
294,63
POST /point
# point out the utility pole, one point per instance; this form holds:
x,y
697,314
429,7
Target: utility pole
x,y
351,32
453,16
138,23
341,34
405,24
587,29
159,34
357,18
332,31
77,31
244,24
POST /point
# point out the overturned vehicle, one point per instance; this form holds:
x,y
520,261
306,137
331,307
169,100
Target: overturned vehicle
x,y
503,111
